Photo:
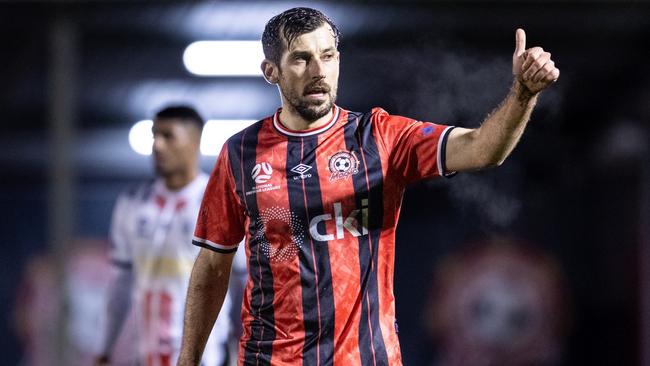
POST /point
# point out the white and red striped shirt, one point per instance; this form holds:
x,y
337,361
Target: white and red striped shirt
x,y
151,233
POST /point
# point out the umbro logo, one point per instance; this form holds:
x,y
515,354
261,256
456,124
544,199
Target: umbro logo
x,y
301,170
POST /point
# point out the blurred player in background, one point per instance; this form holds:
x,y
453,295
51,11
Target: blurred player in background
x,y
316,190
151,251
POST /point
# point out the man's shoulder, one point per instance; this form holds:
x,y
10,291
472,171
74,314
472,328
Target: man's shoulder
x,y
368,118
379,112
373,112
140,191
256,126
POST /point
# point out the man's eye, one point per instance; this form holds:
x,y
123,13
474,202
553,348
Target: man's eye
x,y
328,56
163,135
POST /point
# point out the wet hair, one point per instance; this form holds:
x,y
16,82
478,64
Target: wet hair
x,y
284,28
183,113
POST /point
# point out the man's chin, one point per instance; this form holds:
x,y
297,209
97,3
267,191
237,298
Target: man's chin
x,y
161,171
313,112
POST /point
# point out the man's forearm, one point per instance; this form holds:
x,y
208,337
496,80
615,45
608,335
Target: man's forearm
x,y
117,308
491,143
205,296
503,128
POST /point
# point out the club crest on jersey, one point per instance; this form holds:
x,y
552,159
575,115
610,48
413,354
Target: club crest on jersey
x,y
342,165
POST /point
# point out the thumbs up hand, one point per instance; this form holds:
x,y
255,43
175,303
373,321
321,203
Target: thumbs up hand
x,y
532,67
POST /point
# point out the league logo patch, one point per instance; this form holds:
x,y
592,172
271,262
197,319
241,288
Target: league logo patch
x,y
342,165
261,174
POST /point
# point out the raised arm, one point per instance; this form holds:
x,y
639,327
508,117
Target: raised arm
x,y
491,143
205,295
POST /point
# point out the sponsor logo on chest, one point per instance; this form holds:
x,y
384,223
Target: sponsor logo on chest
x,y
281,233
349,223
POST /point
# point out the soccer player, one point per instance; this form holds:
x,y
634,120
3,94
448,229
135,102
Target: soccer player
x,y
316,190
152,254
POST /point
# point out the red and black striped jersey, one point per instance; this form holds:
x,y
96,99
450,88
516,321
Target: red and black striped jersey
x,y
319,209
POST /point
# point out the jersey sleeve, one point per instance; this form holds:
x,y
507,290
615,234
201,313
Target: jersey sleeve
x,y
221,222
120,251
416,149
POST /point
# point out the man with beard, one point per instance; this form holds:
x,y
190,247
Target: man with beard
x,y
151,254
316,191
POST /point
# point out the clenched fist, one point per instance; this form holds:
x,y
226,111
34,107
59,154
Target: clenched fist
x,y
532,67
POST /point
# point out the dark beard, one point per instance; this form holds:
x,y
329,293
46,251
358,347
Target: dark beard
x,y
308,111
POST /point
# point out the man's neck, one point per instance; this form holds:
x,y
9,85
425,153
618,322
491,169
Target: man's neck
x,y
293,121
176,181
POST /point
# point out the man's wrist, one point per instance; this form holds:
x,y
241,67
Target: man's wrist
x,y
521,92
103,359
189,358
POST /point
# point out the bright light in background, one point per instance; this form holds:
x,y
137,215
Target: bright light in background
x,y
141,137
224,58
215,134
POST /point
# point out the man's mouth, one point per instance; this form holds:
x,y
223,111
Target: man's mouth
x,y
317,90
158,159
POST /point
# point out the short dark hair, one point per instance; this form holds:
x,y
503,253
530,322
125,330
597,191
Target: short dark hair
x,y
183,113
288,26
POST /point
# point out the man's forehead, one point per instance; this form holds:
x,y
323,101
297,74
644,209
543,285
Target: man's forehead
x,y
324,37
166,121
169,123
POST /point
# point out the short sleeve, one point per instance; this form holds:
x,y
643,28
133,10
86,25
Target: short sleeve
x,y
416,148
221,222
120,251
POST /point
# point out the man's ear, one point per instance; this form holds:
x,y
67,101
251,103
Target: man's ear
x,y
270,71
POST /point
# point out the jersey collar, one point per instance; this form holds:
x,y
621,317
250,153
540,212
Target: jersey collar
x,y
314,131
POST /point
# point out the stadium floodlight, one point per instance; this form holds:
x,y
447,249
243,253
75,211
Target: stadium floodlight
x,y
216,132
141,137
224,58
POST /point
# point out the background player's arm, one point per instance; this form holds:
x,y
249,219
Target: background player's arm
x,y
118,297
205,295
490,144
118,305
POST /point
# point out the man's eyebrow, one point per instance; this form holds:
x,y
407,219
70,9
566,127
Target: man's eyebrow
x,y
300,54
307,54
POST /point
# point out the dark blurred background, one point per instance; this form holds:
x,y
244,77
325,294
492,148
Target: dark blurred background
x,y
574,197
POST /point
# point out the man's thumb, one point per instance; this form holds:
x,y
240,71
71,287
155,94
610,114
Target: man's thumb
x,y
520,42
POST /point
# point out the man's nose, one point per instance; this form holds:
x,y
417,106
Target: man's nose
x,y
158,144
316,68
